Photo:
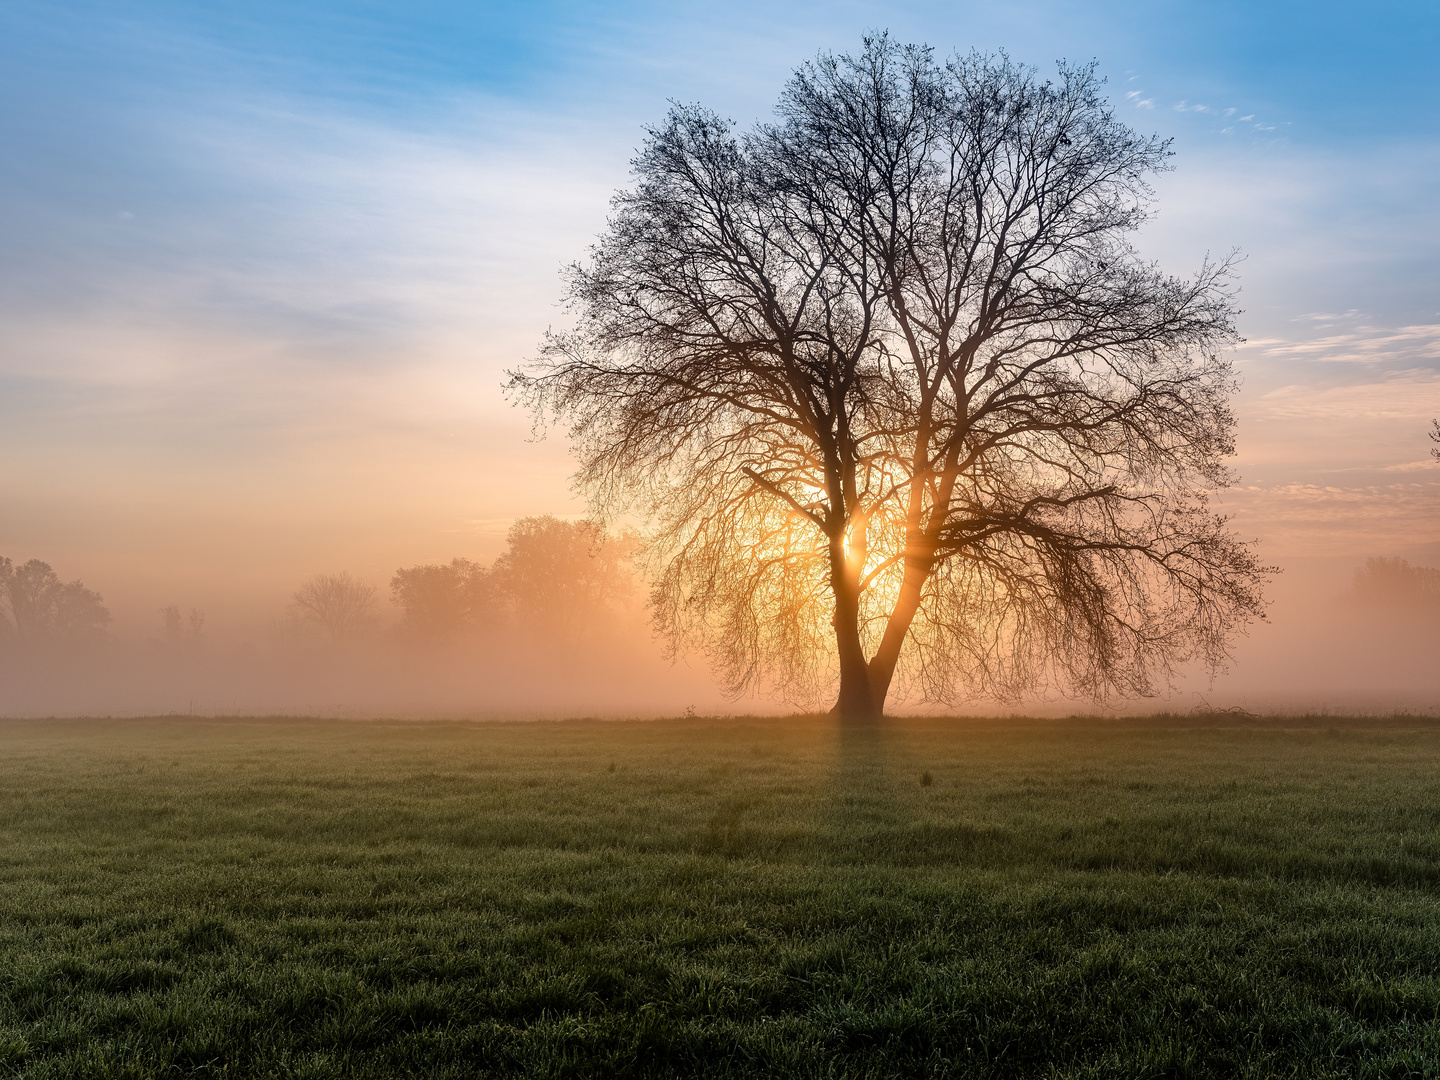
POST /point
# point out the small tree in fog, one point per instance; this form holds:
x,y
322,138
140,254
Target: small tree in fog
x,y
337,603
441,602
36,607
181,635
900,395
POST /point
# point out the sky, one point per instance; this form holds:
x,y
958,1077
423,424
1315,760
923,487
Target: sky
x,y
263,264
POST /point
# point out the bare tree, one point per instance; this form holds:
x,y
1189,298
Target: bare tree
x,y
180,636
901,398
1435,438
338,603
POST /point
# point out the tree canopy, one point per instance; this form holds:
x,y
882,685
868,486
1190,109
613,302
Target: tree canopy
x,y
900,398
37,608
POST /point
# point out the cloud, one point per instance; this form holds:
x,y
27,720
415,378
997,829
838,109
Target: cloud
x,y
1314,519
1322,232
1414,466
1412,396
312,253
1364,344
1224,115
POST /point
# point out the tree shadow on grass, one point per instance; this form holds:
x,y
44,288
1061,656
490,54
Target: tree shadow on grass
x,y
867,808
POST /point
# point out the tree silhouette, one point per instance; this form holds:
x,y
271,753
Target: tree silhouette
x,y
440,602
563,577
180,635
899,396
36,607
555,579
338,603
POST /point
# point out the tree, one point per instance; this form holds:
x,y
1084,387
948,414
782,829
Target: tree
x,y
563,577
36,607
180,635
1435,438
899,396
440,602
338,603
553,578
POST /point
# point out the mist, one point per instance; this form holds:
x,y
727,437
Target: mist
x,y
556,625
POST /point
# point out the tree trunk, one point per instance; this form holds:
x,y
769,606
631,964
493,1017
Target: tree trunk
x,y
857,703
882,666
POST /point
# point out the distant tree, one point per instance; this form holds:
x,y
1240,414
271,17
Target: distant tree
x,y
901,396
1394,586
441,602
337,603
181,635
36,607
565,577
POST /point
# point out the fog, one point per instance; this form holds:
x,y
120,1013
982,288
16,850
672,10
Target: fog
x,y
555,625
1339,637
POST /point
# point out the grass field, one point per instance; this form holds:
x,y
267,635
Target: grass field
x,y
732,898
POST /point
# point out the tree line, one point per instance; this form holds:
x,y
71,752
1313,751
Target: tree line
x,y
558,580
562,580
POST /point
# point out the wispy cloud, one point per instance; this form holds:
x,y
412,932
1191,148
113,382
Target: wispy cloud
x,y
1412,396
1357,343
1428,465
1228,117
1314,519
315,251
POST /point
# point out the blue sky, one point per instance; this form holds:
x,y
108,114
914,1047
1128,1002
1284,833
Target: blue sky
x,y
262,264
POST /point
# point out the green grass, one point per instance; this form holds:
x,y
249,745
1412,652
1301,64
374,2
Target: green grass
x,y
732,898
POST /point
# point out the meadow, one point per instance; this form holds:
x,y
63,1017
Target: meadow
x,y
1161,897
